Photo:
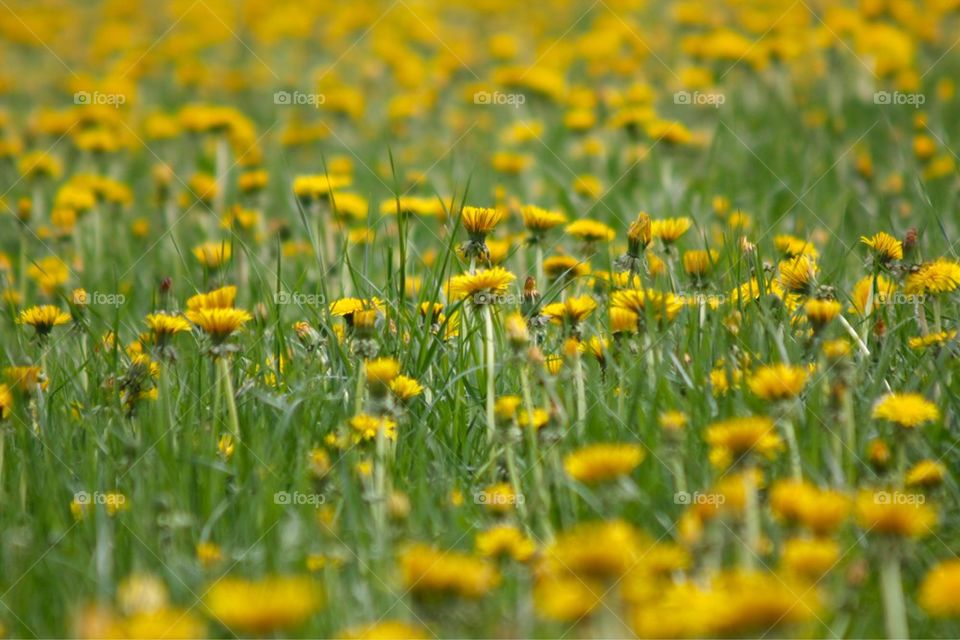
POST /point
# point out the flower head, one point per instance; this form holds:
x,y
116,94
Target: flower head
x,y
669,230
939,276
590,231
732,439
213,255
884,246
43,318
573,310
895,513
425,569
940,590
164,325
479,221
505,540
367,426
778,382
219,324
483,287
6,401
264,606
907,410
538,221
601,462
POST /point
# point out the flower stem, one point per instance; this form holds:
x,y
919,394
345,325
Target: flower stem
x,y
894,608
491,368
581,393
791,435
223,365
752,516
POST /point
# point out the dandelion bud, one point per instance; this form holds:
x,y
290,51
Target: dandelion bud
x,y
24,209
79,297
639,234
166,285
516,330
910,240
530,293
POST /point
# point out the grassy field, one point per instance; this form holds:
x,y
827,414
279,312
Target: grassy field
x,y
419,319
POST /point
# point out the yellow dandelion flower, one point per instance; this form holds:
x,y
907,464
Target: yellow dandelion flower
x,y
778,382
505,540
669,230
43,318
699,263
926,474
405,388
796,274
932,340
861,294
208,554
939,276
483,287
574,309
381,371
661,305
602,462
590,231
219,324
265,606
479,221
907,410
567,599
940,590
565,266
6,401
222,298
425,569
895,513
809,558
164,325
538,221
213,255
735,438
367,426
884,246
821,312
386,630
606,549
